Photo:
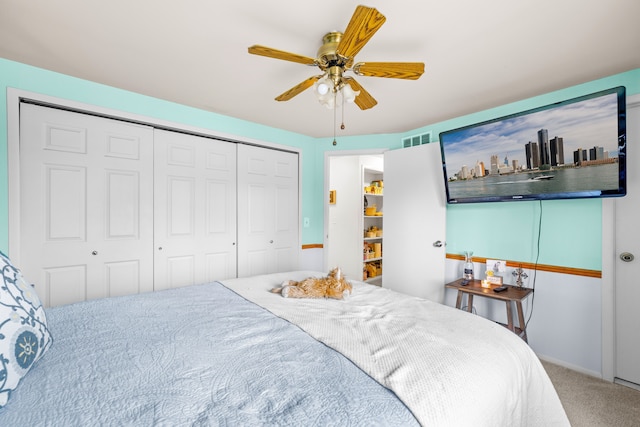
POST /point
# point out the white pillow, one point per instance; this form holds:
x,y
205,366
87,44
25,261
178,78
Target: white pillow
x,y
24,336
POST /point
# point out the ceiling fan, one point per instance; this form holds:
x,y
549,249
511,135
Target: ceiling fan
x,y
336,57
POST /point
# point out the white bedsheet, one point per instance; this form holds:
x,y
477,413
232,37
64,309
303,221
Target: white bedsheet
x,y
449,367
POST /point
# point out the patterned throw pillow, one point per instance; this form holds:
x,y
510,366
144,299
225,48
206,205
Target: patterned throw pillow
x,y
24,336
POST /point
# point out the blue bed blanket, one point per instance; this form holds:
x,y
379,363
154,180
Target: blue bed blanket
x,y
195,356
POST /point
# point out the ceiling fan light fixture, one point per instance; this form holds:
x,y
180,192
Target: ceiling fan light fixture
x,y
324,86
327,100
324,90
349,94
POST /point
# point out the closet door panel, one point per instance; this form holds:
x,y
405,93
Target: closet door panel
x,y
195,210
64,285
123,278
268,211
65,201
123,210
181,203
86,186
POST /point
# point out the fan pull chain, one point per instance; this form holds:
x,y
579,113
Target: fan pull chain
x,y
342,124
335,98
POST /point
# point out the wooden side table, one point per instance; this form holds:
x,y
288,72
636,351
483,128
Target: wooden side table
x,y
512,295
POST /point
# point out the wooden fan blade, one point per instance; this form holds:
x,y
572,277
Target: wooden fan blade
x,y
281,54
297,89
363,25
394,70
364,100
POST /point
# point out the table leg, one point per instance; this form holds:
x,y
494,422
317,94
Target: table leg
x,y
470,303
459,300
509,317
521,322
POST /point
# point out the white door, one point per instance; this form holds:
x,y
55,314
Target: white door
x,y
195,211
86,186
268,212
344,236
414,222
627,286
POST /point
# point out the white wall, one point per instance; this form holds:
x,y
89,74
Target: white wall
x,y
312,259
568,334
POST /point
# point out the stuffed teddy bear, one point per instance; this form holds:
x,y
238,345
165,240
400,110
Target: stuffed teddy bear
x,y
333,286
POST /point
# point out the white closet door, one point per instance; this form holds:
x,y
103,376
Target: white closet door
x,y
268,212
414,222
195,210
86,188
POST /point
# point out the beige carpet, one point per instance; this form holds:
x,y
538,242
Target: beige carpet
x,y
590,401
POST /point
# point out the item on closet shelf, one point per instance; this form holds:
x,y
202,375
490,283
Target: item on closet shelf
x,y
372,270
468,266
368,251
377,250
373,231
374,188
333,286
370,210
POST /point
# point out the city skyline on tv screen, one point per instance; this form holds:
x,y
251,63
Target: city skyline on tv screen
x,y
581,125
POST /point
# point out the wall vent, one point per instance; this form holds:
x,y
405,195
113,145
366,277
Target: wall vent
x,y
412,141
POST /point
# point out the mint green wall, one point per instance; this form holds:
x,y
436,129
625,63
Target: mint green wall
x,y
571,230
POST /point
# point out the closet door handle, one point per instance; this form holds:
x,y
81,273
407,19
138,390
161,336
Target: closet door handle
x,y
94,253
437,244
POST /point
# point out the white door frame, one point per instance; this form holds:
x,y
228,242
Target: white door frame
x,y
609,254
15,96
327,181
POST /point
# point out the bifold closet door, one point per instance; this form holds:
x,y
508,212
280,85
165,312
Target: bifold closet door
x,y
195,210
86,195
268,211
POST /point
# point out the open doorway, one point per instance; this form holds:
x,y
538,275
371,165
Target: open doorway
x,y
343,214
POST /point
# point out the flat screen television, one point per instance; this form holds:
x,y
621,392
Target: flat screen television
x,y
570,149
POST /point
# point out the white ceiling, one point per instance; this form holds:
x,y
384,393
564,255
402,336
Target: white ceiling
x,y
478,54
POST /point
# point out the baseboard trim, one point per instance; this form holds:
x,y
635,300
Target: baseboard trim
x,y
313,246
571,366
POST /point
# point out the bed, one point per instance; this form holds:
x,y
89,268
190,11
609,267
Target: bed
x,y
232,353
